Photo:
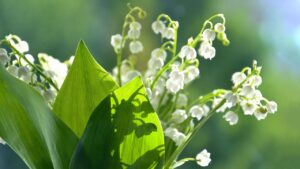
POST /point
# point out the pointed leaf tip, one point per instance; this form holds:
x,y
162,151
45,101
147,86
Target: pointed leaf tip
x,y
85,86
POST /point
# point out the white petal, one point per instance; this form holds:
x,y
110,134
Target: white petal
x,y
136,47
208,35
116,41
203,158
158,27
219,27
231,117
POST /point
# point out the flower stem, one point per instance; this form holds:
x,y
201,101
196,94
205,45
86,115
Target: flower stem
x,y
37,69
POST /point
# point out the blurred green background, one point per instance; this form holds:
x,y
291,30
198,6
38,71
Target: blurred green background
x,y
266,30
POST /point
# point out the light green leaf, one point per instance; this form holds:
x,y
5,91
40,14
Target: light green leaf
x,y
30,128
85,86
123,132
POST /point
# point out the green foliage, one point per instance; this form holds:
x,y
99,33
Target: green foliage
x,y
85,86
123,131
30,128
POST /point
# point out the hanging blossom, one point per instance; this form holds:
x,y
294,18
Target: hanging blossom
x,y
166,32
168,73
23,66
247,96
176,80
203,158
177,136
198,111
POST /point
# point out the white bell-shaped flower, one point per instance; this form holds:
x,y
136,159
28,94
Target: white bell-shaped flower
x,y
131,75
207,51
260,113
133,34
23,71
135,26
219,27
191,73
208,35
231,117
53,68
170,132
158,27
238,77
182,100
4,58
187,52
256,80
176,80
18,43
216,102
271,107
168,33
179,138
22,46
116,41
248,107
136,47
29,57
179,115
155,63
231,99
203,158
159,53
248,91
197,112
13,70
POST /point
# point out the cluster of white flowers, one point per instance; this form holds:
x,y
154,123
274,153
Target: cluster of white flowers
x,y
166,32
133,34
165,78
24,67
245,95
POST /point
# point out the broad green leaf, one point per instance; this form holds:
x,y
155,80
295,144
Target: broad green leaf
x,y
31,129
85,86
123,132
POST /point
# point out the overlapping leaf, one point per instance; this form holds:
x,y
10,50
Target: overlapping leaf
x,y
123,132
85,86
30,128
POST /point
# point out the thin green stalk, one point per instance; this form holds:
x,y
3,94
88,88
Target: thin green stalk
x,y
123,41
201,123
163,70
190,136
38,70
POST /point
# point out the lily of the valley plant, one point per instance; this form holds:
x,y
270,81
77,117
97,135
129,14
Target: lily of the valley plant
x,y
74,114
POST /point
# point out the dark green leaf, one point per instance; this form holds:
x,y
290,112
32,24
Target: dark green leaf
x,y
123,132
30,128
85,86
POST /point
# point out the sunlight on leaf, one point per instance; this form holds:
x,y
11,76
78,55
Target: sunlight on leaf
x,y
30,128
85,86
123,131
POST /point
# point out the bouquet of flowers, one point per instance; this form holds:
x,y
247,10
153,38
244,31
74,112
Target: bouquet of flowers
x,y
75,114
